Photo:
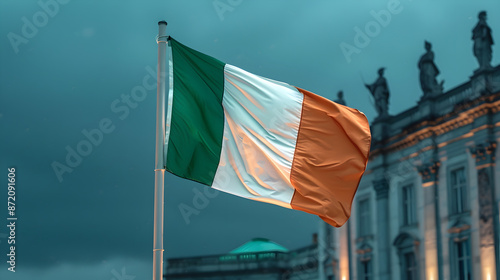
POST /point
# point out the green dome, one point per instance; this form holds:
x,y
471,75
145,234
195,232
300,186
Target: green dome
x,y
258,245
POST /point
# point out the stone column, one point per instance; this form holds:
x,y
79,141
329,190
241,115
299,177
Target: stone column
x,y
429,174
344,255
484,155
384,250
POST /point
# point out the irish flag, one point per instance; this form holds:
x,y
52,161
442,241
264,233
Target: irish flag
x,y
262,139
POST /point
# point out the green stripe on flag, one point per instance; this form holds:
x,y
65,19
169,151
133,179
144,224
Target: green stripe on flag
x,y
197,123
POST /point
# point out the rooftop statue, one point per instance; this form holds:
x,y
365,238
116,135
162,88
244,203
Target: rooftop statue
x,y
340,98
429,72
481,35
380,92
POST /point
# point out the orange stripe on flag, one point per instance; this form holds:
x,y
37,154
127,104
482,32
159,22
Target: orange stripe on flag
x,y
330,157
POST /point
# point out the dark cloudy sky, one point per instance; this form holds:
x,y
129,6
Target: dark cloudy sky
x,y
64,75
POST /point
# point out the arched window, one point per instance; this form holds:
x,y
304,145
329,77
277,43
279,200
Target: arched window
x,y
407,246
365,262
460,251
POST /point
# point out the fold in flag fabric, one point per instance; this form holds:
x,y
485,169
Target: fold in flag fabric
x,y
262,139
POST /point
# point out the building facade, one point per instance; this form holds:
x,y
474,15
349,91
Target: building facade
x,y
427,207
258,259
428,204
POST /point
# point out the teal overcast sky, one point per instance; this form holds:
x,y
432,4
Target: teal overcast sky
x,y
65,75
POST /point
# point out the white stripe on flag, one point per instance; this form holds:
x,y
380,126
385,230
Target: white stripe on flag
x,y
261,124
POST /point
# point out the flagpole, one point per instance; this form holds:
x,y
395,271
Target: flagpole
x,y
159,161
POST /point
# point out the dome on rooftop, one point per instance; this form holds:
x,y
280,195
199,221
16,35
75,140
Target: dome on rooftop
x,y
258,245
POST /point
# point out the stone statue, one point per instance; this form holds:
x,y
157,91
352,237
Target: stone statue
x,y
340,98
429,72
380,92
481,34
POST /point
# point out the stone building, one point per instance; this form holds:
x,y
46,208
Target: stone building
x,y
428,204
259,259
427,207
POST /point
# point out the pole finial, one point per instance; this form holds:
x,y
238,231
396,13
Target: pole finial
x,y
162,22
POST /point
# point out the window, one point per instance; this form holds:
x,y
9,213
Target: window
x,y
407,245
409,266
462,260
458,189
365,270
365,266
408,200
364,217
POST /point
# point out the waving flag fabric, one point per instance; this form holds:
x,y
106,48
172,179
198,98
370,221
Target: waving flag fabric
x,y
262,139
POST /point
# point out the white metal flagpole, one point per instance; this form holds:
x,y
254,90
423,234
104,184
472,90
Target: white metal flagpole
x,y
159,162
